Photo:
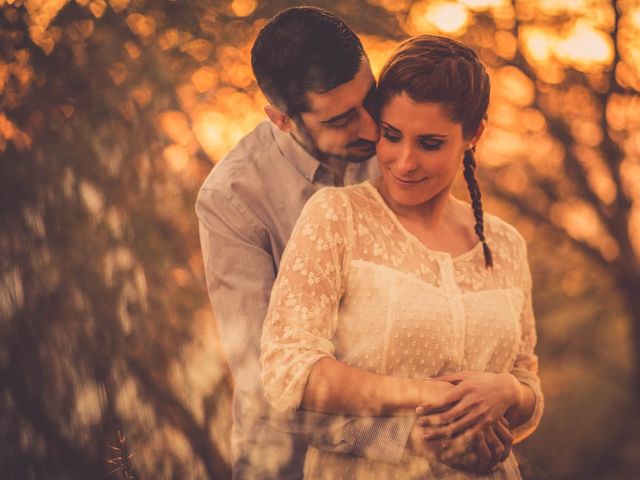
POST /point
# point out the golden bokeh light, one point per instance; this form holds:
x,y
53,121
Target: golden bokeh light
x,y
584,47
118,72
514,86
142,96
634,17
582,223
175,125
177,157
441,17
234,67
391,5
243,8
480,5
555,7
119,5
506,44
132,49
98,7
448,17
204,79
378,50
142,25
200,49
538,43
217,128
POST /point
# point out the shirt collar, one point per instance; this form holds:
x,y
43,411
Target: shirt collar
x,y
304,162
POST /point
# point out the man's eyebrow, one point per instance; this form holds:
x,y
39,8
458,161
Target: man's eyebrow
x,y
339,117
367,98
388,126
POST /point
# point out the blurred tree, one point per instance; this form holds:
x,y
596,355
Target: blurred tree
x,y
111,114
571,71
102,304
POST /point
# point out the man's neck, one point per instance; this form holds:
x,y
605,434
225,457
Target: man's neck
x,y
338,168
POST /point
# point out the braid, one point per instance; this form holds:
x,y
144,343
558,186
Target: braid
x,y
476,203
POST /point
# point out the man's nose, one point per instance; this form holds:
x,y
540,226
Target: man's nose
x,y
367,126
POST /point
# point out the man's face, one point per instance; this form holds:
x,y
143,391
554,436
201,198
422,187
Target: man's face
x,y
338,124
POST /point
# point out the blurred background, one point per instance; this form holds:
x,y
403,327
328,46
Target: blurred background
x,y
112,112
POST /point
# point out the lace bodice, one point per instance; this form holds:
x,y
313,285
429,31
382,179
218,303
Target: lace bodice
x,y
355,285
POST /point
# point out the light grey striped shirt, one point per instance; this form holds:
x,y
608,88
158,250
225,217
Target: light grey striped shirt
x,y
247,208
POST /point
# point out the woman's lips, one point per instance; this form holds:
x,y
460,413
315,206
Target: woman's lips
x,y
408,183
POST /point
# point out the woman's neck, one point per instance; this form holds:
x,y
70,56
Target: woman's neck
x,y
434,213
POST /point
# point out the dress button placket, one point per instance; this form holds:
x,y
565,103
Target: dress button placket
x,y
454,295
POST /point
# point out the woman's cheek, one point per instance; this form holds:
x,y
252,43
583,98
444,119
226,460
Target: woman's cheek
x,y
385,153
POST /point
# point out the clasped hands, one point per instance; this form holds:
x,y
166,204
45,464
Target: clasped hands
x,y
466,427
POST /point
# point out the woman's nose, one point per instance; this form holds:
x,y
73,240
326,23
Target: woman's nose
x,y
405,161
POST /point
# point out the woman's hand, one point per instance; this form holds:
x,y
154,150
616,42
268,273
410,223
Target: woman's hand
x,y
477,400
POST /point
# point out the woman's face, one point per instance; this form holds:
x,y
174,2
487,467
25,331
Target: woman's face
x,y
420,150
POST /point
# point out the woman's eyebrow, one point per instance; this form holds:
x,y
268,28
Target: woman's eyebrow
x,y
388,126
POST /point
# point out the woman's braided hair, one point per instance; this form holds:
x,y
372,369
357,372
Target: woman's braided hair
x,y
433,69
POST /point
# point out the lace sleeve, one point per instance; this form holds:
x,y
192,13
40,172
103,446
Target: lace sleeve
x,y
303,311
525,368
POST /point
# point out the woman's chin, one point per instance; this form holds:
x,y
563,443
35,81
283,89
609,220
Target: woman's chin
x,y
408,198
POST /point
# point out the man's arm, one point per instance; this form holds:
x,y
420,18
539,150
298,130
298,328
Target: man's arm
x,y
240,273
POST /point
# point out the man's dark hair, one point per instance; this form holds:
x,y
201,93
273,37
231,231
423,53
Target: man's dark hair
x,y
304,49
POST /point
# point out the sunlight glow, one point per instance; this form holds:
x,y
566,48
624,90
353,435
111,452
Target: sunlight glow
x,y
177,157
634,16
585,46
448,17
378,50
538,43
483,4
243,8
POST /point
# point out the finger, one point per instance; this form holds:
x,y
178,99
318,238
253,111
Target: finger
x,y
457,426
453,377
496,447
505,437
452,396
484,453
503,420
449,415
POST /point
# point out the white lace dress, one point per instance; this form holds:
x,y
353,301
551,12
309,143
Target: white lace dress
x,y
355,285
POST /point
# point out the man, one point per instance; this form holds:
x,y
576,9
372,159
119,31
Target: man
x,y
313,70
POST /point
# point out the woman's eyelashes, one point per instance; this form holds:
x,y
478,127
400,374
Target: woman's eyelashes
x,y
391,137
431,144
426,144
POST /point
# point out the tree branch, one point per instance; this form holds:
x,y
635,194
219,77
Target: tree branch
x,y
540,218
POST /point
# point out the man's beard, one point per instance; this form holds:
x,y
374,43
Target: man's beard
x,y
309,144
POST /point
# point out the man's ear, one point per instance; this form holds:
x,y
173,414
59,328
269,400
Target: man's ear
x,y
279,118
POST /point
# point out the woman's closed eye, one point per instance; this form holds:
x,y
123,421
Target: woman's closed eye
x,y
431,144
391,137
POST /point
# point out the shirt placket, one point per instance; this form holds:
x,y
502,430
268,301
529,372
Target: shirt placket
x,y
454,296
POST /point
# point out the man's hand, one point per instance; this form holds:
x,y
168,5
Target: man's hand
x,y
479,453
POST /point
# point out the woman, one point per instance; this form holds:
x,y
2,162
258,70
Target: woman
x,y
393,294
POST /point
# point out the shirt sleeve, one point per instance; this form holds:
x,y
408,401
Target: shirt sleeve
x,y
525,368
240,273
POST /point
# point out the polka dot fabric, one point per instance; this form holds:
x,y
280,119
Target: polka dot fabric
x,y
355,285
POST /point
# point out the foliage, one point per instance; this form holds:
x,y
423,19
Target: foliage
x,y
112,113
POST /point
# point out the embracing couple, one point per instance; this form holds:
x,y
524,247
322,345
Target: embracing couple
x,y
394,336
